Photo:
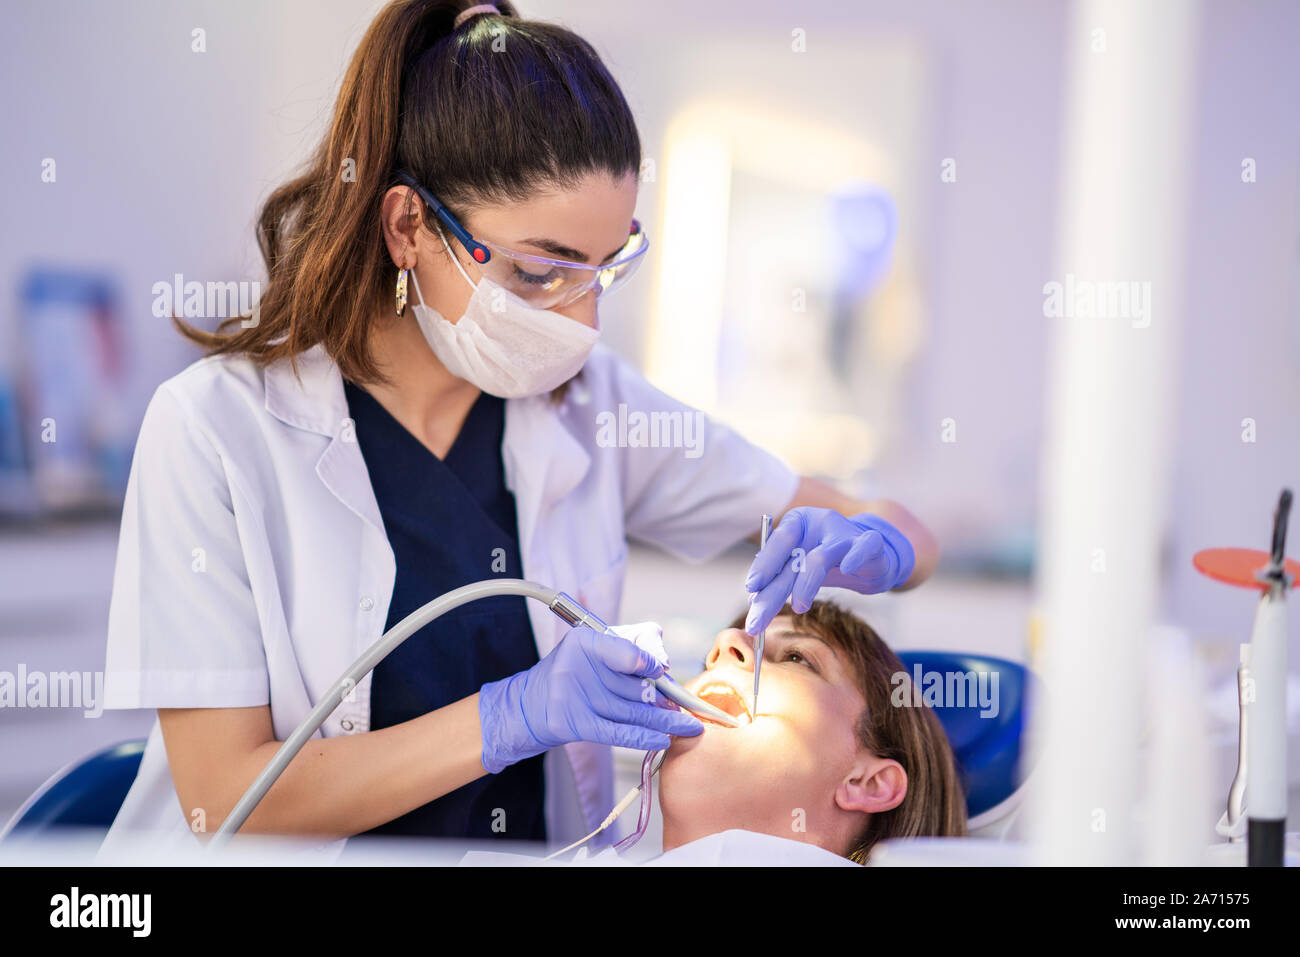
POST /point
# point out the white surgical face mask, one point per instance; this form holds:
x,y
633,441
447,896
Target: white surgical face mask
x,y
502,345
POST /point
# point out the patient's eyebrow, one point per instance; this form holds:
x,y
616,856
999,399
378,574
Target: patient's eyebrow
x,y
787,634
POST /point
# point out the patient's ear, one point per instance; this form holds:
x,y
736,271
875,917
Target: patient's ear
x,y
873,785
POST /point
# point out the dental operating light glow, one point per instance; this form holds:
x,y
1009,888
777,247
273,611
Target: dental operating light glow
x,y
559,603
760,638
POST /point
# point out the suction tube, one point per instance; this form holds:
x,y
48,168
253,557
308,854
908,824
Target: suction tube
x,y
559,603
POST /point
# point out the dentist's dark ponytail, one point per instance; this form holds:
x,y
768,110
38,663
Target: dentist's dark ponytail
x,y
484,112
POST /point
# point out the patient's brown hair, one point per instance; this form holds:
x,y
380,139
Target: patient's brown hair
x,y
935,805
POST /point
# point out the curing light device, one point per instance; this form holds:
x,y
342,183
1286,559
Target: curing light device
x,y
1262,736
562,605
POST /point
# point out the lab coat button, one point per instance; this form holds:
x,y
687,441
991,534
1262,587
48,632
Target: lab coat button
x,y
367,603
346,724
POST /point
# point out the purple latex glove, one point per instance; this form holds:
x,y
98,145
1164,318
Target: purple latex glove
x,y
591,687
816,547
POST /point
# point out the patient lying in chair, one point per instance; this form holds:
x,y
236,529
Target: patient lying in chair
x,y
829,760
829,766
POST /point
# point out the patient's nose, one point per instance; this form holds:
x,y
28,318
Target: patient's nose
x,y
732,647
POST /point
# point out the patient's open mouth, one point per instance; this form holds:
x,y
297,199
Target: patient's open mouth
x,y
726,698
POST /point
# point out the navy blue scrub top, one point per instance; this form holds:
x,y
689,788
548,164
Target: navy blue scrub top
x,y
451,522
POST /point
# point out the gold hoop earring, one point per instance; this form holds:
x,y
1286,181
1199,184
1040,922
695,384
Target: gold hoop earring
x,y
401,290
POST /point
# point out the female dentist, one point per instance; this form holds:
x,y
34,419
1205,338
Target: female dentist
x,y
415,406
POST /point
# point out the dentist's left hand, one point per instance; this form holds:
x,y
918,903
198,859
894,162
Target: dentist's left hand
x,y
591,687
816,547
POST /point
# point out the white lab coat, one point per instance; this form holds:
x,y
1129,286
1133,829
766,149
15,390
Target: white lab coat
x,y
253,566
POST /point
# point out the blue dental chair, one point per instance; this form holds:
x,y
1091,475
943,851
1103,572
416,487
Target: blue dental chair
x,y
86,794
991,753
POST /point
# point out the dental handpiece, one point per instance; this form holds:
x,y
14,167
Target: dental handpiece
x,y
573,613
761,638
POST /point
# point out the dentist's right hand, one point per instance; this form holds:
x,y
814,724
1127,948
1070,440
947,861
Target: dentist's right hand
x,y
589,688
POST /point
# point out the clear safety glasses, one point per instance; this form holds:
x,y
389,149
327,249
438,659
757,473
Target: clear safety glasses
x,y
541,282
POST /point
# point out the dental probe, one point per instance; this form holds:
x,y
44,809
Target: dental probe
x,y
762,635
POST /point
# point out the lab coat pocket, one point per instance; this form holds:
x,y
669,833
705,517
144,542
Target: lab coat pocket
x,y
602,593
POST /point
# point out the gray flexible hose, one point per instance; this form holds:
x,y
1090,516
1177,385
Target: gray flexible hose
x,y
358,670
